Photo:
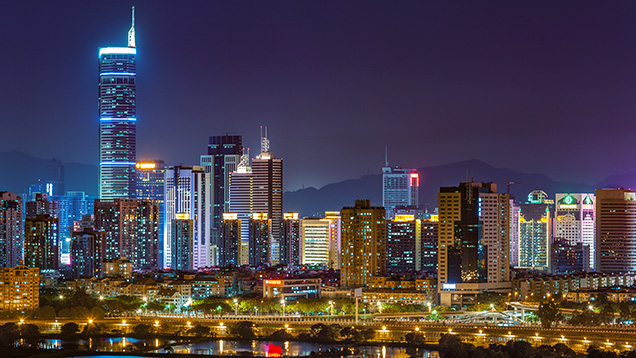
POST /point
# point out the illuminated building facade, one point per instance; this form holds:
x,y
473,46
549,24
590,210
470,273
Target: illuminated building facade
x,y
428,255
187,192
363,250
615,230
230,240
267,171
131,230
568,258
117,119
290,240
292,288
515,219
242,201
473,242
403,244
182,242
19,288
575,220
224,155
41,242
535,228
87,253
400,188
315,241
335,237
11,229
151,185
260,237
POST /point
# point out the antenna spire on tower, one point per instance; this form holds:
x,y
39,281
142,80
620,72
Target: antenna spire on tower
x,y
386,155
264,141
131,32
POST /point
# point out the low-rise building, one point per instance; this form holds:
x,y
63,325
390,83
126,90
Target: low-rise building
x,y
121,267
292,288
566,286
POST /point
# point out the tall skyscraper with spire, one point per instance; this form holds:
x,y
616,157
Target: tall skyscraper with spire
x,y
117,119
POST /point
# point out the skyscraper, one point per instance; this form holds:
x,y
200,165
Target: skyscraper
x,y
242,198
515,219
615,230
267,171
182,242
290,239
151,185
473,242
363,245
574,221
535,229
117,119
188,192
224,155
87,252
41,243
260,238
400,188
315,241
403,244
11,234
428,247
230,240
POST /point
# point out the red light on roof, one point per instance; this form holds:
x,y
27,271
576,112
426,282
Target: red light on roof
x,y
415,175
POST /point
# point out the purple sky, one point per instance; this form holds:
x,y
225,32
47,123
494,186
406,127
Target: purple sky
x,y
536,86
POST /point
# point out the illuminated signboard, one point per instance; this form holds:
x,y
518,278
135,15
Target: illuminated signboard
x,y
587,201
568,200
449,286
146,165
273,282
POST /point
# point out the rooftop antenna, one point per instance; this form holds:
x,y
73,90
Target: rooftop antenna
x,y
264,141
131,32
386,155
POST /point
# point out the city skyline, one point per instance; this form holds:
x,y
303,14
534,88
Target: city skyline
x,y
343,71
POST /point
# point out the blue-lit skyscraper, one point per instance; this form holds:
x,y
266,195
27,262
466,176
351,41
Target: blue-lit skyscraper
x,y
117,119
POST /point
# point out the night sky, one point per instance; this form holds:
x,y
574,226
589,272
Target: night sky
x,y
535,86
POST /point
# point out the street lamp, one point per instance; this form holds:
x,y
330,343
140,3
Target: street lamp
x,y
331,305
282,302
429,306
235,307
255,311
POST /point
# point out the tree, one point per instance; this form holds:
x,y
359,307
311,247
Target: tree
x,y
548,313
415,338
199,331
44,313
243,330
142,330
69,330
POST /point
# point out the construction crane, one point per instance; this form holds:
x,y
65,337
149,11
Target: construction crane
x,y
509,183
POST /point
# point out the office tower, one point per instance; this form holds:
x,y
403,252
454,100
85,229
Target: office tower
x,y
363,250
11,234
131,229
515,220
334,238
182,242
400,188
224,155
535,228
55,176
117,119
87,252
315,241
428,255
615,230
575,220
473,242
290,240
19,288
242,199
403,244
568,258
151,185
230,240
267,171
41,246
187,192
260,237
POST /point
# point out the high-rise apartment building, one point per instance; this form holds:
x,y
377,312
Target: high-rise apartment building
x,y
260,237
19,288
131,228
117,119
430,234
224,155
290,239
267,171
41,242
403,245
230,240
535,229
615,230
87,253
11,229
363,244
473,242
182,242
315,241
574,221
400,188
151,176
334,238
188,192
515,220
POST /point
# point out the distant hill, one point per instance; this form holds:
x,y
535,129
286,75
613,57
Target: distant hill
x,y
19,170
313,202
